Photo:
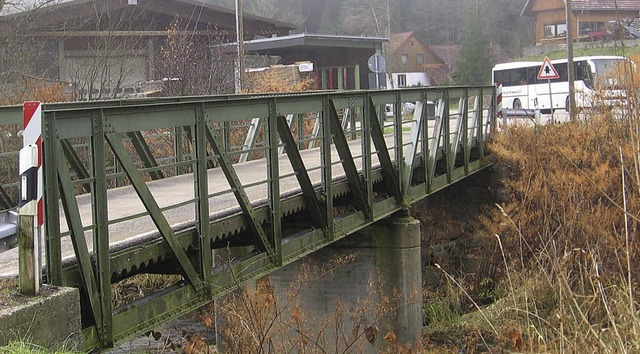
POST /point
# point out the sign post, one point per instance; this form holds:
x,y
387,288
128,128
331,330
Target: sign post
x,y
548,72
377,64
30,206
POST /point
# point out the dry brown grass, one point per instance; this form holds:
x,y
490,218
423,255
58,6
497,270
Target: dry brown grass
x,y
568,235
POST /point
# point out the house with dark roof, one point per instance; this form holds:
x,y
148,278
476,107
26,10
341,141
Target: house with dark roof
x,y
107,45
590,17
413,63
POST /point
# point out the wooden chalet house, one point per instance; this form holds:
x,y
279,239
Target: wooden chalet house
x,y
590,17
413,63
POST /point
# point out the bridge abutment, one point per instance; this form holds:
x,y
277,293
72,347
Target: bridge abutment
x,y
364,291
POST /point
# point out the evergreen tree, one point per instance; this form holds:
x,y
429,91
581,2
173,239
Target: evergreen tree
x,y
476,60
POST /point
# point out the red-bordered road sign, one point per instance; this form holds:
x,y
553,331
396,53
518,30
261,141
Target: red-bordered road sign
x,y
547,71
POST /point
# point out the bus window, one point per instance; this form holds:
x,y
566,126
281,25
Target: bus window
x,y
501,77
532,74
518,77
582,72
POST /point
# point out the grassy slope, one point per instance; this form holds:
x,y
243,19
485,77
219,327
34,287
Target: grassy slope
x,y
577,52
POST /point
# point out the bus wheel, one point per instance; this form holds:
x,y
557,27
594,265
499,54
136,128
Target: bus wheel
x,y
517,104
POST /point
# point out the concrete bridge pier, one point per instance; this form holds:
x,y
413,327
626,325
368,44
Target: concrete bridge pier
x,y
364,291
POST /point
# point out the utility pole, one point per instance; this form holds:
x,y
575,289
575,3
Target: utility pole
x,y
570,71
239,46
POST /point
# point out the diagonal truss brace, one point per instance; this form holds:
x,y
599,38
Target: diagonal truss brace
x,y
241,196
115,141
145,154
349,166
301,172
419,114
383,153
72,214
76,163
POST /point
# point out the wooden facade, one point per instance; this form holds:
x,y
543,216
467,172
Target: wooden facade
x,y
409,54
590,18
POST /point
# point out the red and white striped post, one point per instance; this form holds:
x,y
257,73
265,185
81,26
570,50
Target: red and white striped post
x,y
30,205
499,109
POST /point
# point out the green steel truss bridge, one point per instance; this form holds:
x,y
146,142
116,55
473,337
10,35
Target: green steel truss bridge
x,y
154,185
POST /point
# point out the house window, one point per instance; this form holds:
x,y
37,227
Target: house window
x,y
587,28
402,80
555,30
412,44
420,58
405,58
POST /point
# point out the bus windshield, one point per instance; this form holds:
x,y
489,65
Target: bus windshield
x,y
607,72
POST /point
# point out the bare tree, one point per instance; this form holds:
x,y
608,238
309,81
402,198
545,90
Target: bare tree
x,y
194,65
24,66
282,10
111,65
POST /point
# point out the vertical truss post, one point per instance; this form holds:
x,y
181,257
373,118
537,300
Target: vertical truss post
x,y
352,122
446,146
367,122
461,137
51,195
79,241
397,138
468,133
425,146
300,130
202,194
226,137
480,134
327,169
118,169
273,167
178,149
101,226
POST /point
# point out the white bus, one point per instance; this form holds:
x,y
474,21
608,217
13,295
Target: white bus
x,y
595,83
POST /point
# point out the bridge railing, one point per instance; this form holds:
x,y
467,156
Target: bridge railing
x,y
326,165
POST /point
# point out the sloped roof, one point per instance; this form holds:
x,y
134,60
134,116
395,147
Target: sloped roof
x,y
593,5
439,74
73,9
397,39
449,53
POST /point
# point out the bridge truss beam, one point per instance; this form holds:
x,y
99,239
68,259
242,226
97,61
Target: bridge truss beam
x,y
347,166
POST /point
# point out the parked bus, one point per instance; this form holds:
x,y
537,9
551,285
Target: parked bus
x,y
596,83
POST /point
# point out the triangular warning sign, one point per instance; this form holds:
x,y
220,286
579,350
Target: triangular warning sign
x,y
547,71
